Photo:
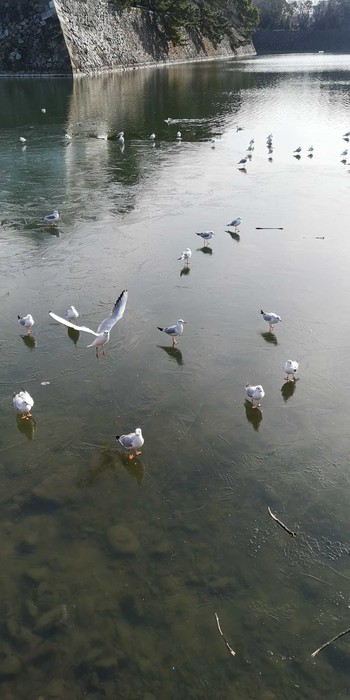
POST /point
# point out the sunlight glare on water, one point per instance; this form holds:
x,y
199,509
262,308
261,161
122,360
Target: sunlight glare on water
x,y
112,569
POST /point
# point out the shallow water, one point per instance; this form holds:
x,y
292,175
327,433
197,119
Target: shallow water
x,y
112,569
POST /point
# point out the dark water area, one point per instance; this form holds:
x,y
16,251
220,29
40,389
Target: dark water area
x,y
113,569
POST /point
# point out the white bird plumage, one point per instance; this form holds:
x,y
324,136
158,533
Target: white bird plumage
x,y
72,314
178,136
23,403
52,218
235,223
105,327
27,322
120,137
291,367
175,330
206,235
254,394
132,441
22,139
152,137
186,255
270,318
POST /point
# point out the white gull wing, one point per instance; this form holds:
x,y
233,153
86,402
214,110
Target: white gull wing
x,y
72,325
116,315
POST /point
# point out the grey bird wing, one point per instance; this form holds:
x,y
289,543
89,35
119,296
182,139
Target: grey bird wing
x,y
72,325
170,330
250,391
127,440
269,317
116,315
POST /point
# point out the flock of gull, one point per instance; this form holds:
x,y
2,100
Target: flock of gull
x,y
242,163
23,402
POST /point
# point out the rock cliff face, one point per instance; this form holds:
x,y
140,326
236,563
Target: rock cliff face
x,y
89,36
31,39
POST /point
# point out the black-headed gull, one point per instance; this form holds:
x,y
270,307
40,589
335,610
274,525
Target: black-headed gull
x,y
291,367
174,331
206,235
23,403
27,322
235,223
72,314
254,394
104,329
131,442
270,318
52,219
186,255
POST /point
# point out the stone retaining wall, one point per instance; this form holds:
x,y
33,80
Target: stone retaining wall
x,y
89,36
31,39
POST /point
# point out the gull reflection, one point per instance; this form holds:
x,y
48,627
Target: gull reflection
x,y
185,270
27,427
287,390
73,334
206,249
253,415
135,468
29,341
173,352
234,236
269,337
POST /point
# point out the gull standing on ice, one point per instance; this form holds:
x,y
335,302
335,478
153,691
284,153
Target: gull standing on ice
x,y
152,137
186,255
242,161
131,442
206,235
72,314
175,330
27,322
104,329
254,394
52,218
298,150
235,223
178,136
120,137
270,318
22,139
291,367
23,403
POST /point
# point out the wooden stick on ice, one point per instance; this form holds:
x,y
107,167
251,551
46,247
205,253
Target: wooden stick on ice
x,y
329,642
290,532
222,634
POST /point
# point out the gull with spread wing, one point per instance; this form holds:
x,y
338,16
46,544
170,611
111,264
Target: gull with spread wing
x,y
104,329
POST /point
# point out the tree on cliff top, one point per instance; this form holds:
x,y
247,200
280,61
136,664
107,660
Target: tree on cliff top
x,y
212,18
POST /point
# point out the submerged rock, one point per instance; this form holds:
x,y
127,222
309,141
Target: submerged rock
x,y
121,541
49,620
10,666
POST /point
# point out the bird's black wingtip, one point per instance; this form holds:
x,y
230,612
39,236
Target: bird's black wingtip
x,y
121,295
262,312
160,329
117,437
19,318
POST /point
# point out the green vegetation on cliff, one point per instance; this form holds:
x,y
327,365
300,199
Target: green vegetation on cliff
x,y
212,18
